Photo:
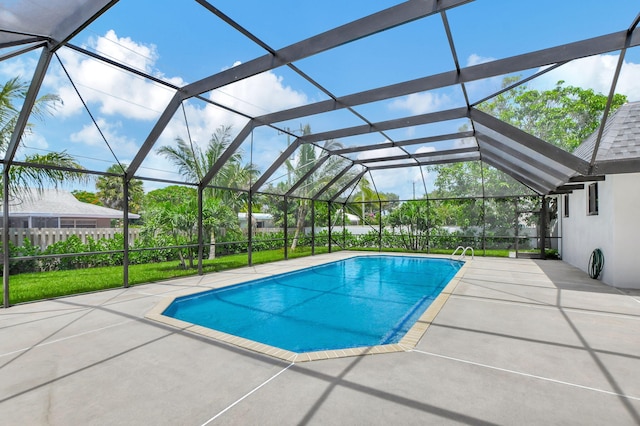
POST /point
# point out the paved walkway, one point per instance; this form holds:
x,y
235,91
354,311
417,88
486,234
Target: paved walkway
x,y
519,342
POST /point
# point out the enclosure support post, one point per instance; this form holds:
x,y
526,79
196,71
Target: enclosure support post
x,y
286,228
250,229
5,235
515,224
484,212
428,226
125,231
543,227
329,223
313,227
484,226
200,231
344,227
379,225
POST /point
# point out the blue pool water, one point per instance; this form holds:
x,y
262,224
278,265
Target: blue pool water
x,y
360,301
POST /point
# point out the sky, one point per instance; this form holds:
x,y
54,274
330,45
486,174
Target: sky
x,y
180,42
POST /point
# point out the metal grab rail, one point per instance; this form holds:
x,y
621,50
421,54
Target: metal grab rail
x,y
464,252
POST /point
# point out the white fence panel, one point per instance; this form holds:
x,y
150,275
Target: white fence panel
x,y
44,237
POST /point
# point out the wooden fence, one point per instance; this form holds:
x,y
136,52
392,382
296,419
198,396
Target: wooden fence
x,y
44,237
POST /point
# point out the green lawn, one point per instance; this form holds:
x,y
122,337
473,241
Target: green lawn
x,y
44,285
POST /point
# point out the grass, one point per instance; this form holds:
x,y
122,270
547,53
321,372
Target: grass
x,y
45,285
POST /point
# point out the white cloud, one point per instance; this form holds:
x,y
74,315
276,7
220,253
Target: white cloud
x,y
21,66
594,72
254,96
258,95
378,153
122,145
34,140
421,103
475,59
425,149
481,88
116,92
119,100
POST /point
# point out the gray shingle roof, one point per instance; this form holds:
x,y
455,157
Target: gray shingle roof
x,y
58,203
620,138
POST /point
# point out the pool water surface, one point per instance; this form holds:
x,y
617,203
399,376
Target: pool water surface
x,y
355,302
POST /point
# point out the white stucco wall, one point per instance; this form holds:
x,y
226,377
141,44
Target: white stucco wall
x,y
615,230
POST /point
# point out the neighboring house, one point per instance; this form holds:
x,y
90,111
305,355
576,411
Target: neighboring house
x,y
605,214
261,220
51,208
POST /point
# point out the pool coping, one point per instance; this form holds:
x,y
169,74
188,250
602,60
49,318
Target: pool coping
x,y
407,343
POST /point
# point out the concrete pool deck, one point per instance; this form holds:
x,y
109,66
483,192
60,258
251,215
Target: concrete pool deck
x,y
519,341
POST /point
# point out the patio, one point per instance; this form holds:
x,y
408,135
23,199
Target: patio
x,y
520,341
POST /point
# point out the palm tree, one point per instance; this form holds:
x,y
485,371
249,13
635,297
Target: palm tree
x,y
111,191
194,163
21,178
303,162
365,196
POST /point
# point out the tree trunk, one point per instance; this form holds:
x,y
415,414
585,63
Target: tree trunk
x,y
302,213
183,264
212,247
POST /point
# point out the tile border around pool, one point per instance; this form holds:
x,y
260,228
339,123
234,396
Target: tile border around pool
x,y
408,342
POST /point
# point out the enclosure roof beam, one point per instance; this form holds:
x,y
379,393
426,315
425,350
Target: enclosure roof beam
x,y
560,192
231,149
519,166
369,25
275,165
392,17
311,171
398,123
544,167
558,155
156,131
472,155
36,40
588,178
452,159
418,155
29,102
351,182
73,24
515,173
26,49
408,142
626,165
332,181
567,52
570,187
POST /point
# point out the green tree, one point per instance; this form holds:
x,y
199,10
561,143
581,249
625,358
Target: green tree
x,y
21,178
194,163
173,211
413,221
300,165
111,190
365,199
563,116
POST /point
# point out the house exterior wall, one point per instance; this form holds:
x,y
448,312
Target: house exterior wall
x,y
614,230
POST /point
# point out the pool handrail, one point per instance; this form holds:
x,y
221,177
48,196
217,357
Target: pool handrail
x,y
464,252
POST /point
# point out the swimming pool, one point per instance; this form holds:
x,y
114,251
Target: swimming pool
x,y
360,301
